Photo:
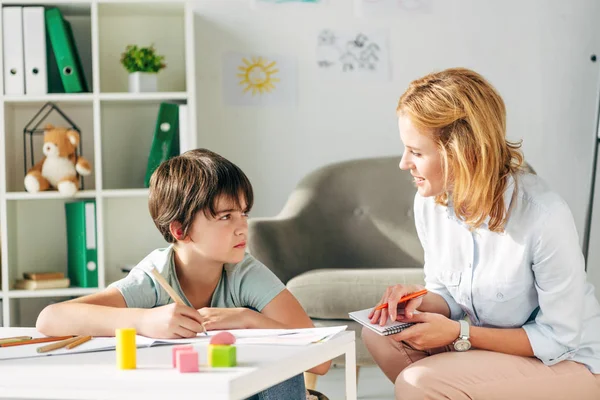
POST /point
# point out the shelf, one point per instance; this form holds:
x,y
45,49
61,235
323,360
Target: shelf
x,y
66,292
141,7
125,193
68,7
85,194
54,97
154,96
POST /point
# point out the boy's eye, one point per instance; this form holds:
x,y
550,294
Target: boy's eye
x,y
415,154
225,217
246,214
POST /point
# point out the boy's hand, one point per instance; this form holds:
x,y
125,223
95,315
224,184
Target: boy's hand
x,y
172,321
225,318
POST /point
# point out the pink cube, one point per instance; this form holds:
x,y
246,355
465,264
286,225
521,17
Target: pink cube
x,y
177,349
187,361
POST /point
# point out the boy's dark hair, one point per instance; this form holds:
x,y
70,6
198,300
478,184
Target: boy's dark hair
x,y
192,182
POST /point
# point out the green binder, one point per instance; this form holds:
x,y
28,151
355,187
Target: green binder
x,y
81,243
65,52
165,143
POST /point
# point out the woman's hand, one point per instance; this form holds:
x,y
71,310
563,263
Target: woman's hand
x,y
225,318
430,331
391,296
172,321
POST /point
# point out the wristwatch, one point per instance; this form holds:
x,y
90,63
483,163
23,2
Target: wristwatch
x,y
462,343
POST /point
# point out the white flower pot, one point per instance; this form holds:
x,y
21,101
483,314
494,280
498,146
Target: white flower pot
x,y
142,82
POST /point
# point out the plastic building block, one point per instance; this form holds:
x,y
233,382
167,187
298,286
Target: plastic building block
x,y
177,349
221,355
126,349
187,361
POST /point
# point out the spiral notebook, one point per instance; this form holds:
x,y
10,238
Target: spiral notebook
x,y
390,328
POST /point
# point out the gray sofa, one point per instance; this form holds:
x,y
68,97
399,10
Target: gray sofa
x,y
345,234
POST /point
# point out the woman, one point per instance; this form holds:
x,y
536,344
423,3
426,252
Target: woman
x,y
501,248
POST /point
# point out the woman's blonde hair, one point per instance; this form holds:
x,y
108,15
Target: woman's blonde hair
x,y
467,120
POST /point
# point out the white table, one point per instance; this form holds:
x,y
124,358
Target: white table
x,y
95,376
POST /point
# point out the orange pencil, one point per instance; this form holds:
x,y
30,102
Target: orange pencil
x,y
409,296
38,340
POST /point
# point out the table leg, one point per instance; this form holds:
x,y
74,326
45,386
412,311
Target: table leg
x,y
351,372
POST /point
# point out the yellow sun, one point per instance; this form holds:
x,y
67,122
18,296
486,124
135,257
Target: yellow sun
x,y
258,75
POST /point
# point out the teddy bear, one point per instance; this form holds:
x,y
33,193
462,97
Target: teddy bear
x,y
60,166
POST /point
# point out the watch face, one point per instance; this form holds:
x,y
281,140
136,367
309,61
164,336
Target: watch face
x,y
462,345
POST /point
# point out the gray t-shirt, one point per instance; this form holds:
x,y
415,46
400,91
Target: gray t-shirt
x,y
248,283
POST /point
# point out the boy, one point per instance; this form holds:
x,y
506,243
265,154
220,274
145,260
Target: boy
x,y
199,201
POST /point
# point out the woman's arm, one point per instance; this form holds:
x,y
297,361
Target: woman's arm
x,y
434,303
435,330
509,341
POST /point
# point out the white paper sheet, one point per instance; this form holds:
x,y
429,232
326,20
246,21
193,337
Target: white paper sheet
x,y
290,337
387,8
277,3
362,55
259,80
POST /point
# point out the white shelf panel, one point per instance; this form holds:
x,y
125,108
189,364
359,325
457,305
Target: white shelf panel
x,y
56,97
48,195
69,7
66,292
154,96
124,193
110,8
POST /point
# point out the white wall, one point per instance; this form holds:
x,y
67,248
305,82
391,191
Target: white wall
x,y
537,53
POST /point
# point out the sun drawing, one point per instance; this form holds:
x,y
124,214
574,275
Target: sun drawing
x,y
258,75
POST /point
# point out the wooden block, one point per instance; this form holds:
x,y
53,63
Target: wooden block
x,y
221,355
187,361
177,349
126,349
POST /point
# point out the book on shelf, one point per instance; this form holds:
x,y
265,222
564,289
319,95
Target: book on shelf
x,y
29,284
165,143
82,253
42,276
66,56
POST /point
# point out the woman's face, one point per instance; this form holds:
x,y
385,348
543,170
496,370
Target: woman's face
x,y
422,158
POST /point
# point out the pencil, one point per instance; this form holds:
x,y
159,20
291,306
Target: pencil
x,y
37,340
57,345
80,340
404,298
14,339
165,285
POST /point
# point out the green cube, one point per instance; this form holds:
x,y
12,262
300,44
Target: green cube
x,y
220,355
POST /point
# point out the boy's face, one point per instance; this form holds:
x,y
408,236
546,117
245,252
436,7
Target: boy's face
x,y
221,238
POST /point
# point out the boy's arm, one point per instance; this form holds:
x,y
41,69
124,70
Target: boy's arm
x,y
284,311
98,314
101,313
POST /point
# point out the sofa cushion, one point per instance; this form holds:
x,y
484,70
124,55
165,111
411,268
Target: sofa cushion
x,y
333,293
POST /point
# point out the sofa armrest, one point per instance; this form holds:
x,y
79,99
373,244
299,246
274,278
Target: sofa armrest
x,y
333,293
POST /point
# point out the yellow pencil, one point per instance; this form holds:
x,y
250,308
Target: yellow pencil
x,y
165,285
14,339
57,345
80,340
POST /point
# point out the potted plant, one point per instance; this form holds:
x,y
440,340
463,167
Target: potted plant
x,y
143,65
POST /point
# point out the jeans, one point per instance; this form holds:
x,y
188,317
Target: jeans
x,y
292,389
